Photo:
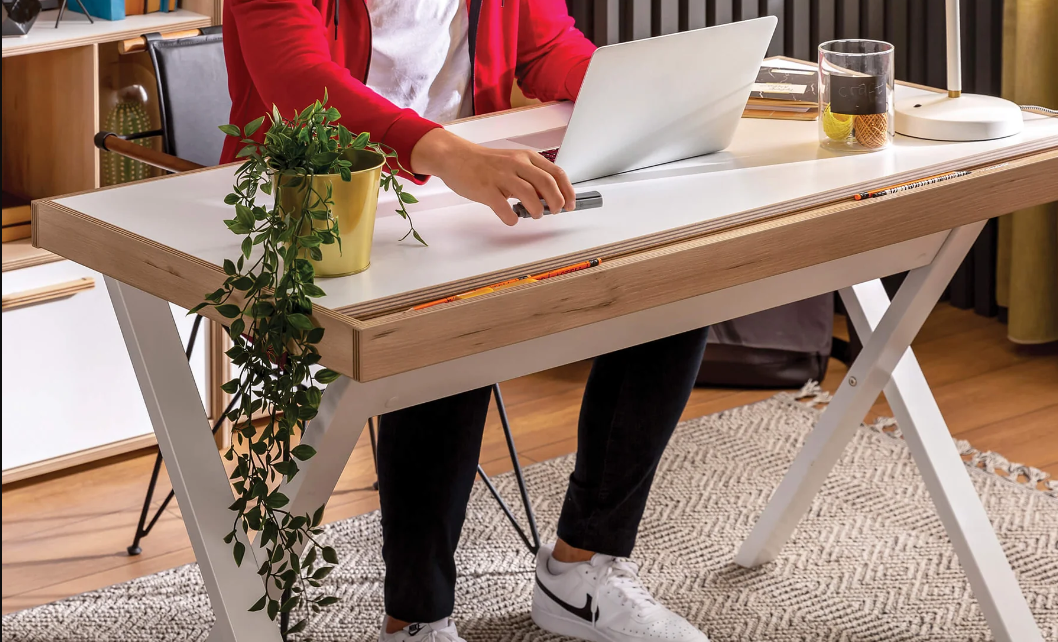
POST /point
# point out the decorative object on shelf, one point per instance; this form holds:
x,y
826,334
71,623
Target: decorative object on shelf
x,y
105,9
267,297
856,95
19,16
957,116
64,4
129,116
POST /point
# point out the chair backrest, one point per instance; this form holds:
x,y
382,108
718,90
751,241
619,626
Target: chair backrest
x,y
193,93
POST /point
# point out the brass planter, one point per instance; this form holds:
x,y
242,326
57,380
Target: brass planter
x,y
355,203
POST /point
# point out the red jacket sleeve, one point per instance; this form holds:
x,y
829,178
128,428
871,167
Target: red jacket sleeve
x,y
553,55
284,44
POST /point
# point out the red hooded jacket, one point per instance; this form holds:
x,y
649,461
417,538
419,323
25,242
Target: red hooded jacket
x,y
285,52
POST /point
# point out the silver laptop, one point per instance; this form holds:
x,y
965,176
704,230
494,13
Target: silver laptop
x,y
656,100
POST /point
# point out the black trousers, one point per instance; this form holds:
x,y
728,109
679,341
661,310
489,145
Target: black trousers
x,y
428,455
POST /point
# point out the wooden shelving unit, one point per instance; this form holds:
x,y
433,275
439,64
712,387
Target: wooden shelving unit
x,y
51,95
59,82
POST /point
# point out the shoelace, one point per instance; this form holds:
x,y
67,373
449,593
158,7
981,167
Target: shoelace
x,y
623,576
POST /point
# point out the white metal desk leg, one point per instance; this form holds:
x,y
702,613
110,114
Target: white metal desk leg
x,y
865,379
191,457
958,505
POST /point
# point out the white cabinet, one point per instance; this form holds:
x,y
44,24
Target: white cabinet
x,y
68,384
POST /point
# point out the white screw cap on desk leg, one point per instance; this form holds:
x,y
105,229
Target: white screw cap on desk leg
x,y
965,118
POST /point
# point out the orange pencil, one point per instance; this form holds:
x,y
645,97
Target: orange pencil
x,y
863,195
566,270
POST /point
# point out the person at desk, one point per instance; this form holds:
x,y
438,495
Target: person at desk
x,y
396,68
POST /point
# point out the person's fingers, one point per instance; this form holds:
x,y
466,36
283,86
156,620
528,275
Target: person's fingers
x,y
502,208
545,186
524,191
569,195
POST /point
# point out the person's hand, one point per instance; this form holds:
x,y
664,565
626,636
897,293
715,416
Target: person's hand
x,y
491,176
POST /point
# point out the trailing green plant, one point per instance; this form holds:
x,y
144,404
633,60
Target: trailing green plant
x,y
267,297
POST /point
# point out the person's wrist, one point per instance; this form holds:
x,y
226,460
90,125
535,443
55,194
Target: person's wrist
x,y
427,157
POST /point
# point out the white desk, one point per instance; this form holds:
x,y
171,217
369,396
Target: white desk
x,y
764,223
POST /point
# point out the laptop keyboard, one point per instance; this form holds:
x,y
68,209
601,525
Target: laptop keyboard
x,y
549,154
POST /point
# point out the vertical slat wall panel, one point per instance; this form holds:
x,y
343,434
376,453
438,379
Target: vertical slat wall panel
x,y
719,12
692,14
746,9
665,16
775,8
823,20
872,20
915,27
936,45
798,33
896,32
847,18
606,23
635,19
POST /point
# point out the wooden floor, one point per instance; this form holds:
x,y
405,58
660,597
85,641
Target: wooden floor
x,y
67,534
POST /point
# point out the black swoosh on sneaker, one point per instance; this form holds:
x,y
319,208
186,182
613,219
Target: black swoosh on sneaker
x,y
414,629
583,612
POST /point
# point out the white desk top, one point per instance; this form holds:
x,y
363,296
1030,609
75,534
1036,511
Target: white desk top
x,y
769,162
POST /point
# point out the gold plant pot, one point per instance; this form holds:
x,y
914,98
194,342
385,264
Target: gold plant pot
x,y
355,203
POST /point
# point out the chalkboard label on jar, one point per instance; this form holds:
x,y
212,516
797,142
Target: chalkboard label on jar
x,y
858,95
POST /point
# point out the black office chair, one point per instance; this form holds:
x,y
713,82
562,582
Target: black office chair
x,y
193,98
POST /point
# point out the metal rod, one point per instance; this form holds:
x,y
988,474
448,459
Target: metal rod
x,y
518,474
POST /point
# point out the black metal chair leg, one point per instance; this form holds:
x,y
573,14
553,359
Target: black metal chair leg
x,y
532,538
374,448
143,527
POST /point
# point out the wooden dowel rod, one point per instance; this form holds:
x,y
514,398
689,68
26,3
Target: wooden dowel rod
x,y
47,293
152,157
133,45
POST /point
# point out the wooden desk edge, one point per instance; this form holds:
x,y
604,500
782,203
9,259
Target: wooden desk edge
x,y
402,341
407,340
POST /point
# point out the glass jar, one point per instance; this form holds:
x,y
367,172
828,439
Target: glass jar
x,y
856,95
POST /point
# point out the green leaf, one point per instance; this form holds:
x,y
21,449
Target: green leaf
x,y
361,140
195,309
408,198
259,604
247,246
229,267
300,321
230,387
329,555
277,500
322,572
290,604
254,125
327,601
231,130
317,518
273,609
229,310
303,452
326,375
238,551
299,627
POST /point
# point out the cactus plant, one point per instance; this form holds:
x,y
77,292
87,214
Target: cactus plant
x,y
127,117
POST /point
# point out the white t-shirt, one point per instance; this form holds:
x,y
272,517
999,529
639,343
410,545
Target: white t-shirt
x,y
420,56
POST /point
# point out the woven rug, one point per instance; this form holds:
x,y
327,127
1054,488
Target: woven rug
x,y
871,560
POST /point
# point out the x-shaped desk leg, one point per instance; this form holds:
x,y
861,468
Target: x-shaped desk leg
x,y
197,473
888,362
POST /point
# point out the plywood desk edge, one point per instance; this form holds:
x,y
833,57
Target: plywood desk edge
x,y
407,340
402,341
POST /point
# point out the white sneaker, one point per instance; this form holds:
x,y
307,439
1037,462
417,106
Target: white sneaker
x,y
604,601
439,631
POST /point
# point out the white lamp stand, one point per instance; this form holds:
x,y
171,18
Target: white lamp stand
x,y
956,116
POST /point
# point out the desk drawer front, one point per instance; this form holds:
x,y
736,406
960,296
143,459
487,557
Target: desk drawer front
x,y
68,384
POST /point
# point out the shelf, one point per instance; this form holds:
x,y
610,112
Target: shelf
x,y
76,31
22,254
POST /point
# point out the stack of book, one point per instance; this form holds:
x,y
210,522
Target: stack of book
x,y
787,91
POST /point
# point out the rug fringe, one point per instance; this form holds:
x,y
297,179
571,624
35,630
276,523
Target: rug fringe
x,y
812,395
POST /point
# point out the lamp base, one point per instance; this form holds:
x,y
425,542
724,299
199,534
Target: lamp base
x,y
963,118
